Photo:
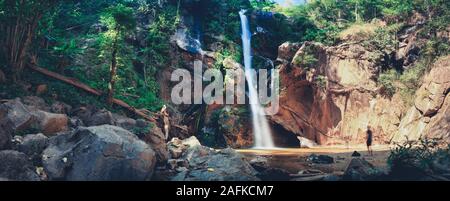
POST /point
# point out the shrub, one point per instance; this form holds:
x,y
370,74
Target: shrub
x,y
358,31
306,60
386,81
142,131
416,159
321,81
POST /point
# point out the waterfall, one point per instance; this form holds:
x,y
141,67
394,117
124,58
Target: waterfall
x,y
261,130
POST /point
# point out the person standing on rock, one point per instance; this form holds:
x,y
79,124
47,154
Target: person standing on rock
x,y
369,137
166,122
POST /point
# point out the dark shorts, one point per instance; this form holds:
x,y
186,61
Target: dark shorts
x,y
369,142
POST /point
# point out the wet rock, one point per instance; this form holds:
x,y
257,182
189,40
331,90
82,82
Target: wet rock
x,y
274,174
321,159
360,170
15,165
99,153
259,163
184,41
356,154
33,145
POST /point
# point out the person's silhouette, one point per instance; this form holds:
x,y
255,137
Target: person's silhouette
x,y
369,140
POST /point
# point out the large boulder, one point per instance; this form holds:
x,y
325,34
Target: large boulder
x,y
33,145
101,117
18,114
206,164
15,165
99,153
361,170
50,123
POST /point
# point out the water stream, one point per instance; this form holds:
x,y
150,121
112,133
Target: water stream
x,y
261,130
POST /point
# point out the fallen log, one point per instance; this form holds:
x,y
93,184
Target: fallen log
x,y
86,88
65,79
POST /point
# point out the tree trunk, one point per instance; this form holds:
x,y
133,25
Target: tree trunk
x,y
113,71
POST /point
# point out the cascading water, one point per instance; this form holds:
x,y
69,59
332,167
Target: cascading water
x,y
261,131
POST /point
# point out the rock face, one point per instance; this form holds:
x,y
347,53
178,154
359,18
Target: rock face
x,y
206,164
430,115
16,166
186,42
334,99
99,153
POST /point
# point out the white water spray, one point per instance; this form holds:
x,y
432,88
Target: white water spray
x,y
261,131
